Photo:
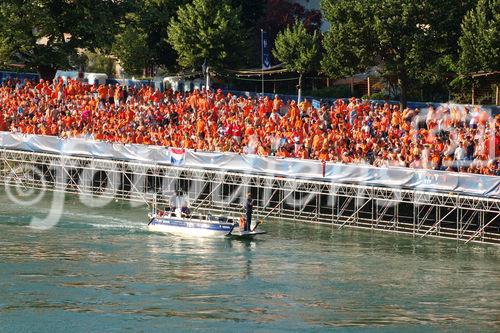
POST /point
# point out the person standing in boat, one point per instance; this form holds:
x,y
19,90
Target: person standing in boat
x,y
184,205
248,212
174,201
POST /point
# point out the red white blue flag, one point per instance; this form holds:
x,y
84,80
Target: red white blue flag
x,y
177,156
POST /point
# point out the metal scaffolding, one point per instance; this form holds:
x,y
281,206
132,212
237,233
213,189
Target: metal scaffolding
x,y
414,212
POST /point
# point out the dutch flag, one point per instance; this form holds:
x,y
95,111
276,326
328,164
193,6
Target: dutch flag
x,y
177,156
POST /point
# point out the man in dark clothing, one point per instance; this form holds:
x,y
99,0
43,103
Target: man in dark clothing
x,y
248,210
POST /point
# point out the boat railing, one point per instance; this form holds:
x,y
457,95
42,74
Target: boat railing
x,y
200,217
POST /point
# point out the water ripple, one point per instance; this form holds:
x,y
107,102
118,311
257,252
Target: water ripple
x,y
104,269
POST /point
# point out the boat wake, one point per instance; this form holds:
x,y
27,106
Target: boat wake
x,y
98,221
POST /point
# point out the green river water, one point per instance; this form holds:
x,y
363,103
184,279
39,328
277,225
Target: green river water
x,y
100,270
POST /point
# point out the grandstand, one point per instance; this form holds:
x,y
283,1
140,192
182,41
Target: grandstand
x,y
455,138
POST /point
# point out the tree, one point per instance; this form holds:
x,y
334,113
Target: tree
x,y
251,14
130,48
344,55
98,62
435,78
152,18
141,42
47,34
280,14
297,49
251,11
406,37
207,29
480,40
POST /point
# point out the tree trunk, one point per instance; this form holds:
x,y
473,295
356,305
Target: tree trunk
x,y
403,86
368,87
46,72
300,88
473,102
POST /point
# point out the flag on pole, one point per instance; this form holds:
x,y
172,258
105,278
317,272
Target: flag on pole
x,y
266,59
204,67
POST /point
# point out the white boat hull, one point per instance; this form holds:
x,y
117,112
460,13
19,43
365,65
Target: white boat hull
x,y
190,227
199,225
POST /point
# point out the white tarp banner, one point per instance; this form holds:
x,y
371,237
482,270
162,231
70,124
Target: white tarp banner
x,y
426,180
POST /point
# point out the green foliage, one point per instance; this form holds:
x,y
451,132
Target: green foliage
x,y
480,40
379,96
446,26
297,49
349,44
411,39
251,12
98,62
152,18
143,35
280,14
46,34
130,49
207,29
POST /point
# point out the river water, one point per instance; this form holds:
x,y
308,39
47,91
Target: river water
x,y
100,270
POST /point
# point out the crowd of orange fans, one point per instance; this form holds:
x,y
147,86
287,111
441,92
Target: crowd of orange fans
x,y
355,131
